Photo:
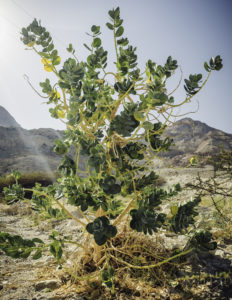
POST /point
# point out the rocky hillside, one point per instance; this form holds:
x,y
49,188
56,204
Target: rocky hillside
x,y
27,150
6,120
194,138
32,150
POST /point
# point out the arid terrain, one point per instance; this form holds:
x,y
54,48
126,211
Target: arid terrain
x,y
40,279
31,150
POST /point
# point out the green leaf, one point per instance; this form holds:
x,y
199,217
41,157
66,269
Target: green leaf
x,y
118,23
45,55
26,253
96,43
123,42
14,193
110,26
55,233
134,150
203,241
95,29
53,250
54,54
60,147
100,239
108,276
148,125
56,249
119,31
24,31
70,48
146,220
117,12
104,206
214,64
16,174
111,231
89,228
218,63
125,123
101,230
59,253
37,254
138,115
15,246
87,47
105,276
50,47
174,210
114,13
111,14
184,216
108,185
56,61
37,240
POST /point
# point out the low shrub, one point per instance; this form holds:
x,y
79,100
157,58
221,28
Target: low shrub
x,y
118,124
27,180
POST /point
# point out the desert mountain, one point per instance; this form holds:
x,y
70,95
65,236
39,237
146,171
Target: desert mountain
x,y
32,150
194,138
6,120
28,150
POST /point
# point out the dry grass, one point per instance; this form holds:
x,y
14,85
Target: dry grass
x,y
125,249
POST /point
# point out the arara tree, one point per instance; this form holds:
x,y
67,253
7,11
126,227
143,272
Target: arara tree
x,y
116,120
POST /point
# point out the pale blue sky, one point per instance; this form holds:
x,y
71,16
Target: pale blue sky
x,y
190,30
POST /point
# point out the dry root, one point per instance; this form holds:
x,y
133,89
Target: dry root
x,y
126,248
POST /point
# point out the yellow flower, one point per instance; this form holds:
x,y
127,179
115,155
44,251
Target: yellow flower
x,y
57,95
193,161
54,94
61,114
45,61
47,64
57,60
31,44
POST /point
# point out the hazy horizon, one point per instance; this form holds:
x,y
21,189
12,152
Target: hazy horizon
x,y
59,129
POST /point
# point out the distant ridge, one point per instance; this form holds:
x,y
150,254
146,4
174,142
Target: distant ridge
x,y
32,150
6,119
195,138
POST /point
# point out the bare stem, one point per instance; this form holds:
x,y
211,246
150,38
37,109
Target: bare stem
x,y
119,218
151,266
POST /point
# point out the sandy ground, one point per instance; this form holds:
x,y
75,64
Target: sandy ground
x,y
39,279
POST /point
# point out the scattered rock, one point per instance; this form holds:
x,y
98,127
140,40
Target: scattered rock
x,y
173,242
47,284
220,252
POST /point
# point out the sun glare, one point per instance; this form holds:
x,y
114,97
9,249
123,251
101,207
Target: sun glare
x,y
3,28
